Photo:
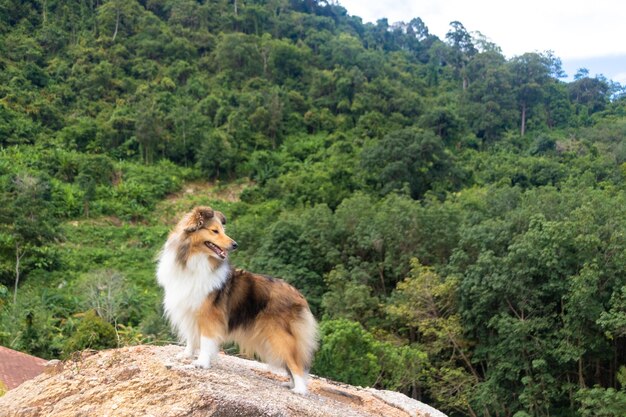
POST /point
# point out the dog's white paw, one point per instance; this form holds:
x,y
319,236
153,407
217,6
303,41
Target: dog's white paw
x,y
200,363
299,390
299,385
184,355
187,353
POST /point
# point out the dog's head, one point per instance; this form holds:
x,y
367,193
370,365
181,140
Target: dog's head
x,y
202,231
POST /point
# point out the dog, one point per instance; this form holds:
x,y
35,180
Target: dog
x,y
208,302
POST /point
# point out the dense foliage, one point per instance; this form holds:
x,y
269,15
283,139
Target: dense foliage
x,y
456,219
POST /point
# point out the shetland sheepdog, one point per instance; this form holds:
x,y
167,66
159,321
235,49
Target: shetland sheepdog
x,y
208,303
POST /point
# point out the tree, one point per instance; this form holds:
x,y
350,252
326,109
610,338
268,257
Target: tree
x,y
426,304
592,93
26,220
93,171
238,56
104,294
217,155
531,73
410,156
462,49
488,105
149,128
349,296
286,61
600,402
116,15
344,342
268,118
444,122
557,107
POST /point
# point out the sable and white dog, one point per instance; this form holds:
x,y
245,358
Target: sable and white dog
x,y
208,302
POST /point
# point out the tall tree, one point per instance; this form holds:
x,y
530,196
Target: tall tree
x,y
462,49
488,105
117,16
26,220
531,74
590,93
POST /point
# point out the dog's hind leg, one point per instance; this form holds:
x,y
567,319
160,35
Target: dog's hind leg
x,y
284,348
290,383
298,377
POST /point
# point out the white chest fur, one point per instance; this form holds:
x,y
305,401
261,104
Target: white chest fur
x,y
186,288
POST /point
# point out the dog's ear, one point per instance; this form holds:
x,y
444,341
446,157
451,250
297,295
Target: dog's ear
x,y
198,218
221,217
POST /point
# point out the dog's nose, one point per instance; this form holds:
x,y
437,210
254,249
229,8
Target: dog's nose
x,y
234,245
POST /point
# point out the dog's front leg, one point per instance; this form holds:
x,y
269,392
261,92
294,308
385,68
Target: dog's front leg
x,y
190,346
188,352
208,350
212,325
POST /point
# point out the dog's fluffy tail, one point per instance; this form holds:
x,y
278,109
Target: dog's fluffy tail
x,y
306,335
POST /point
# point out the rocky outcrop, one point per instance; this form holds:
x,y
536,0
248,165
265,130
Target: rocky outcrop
x,y
150,381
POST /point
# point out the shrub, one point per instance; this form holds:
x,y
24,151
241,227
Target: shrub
x,y
91,333
345,342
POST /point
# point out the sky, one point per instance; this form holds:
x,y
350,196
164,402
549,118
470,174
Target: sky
x,y
583,33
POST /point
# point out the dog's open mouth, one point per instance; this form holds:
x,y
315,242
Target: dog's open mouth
x,y
219,251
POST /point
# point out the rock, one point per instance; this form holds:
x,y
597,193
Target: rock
x,y
149,381
127,373
412,407
53,367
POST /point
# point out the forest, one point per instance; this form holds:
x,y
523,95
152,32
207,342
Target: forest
x,y
455,218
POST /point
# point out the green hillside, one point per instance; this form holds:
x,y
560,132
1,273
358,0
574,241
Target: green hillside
x,y
456,219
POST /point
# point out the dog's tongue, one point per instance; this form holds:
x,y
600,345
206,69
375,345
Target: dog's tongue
x,y
219,251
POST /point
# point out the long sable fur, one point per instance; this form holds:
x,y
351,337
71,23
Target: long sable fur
x,y
207,299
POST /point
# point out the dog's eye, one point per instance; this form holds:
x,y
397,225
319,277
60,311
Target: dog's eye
x,y
215,231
